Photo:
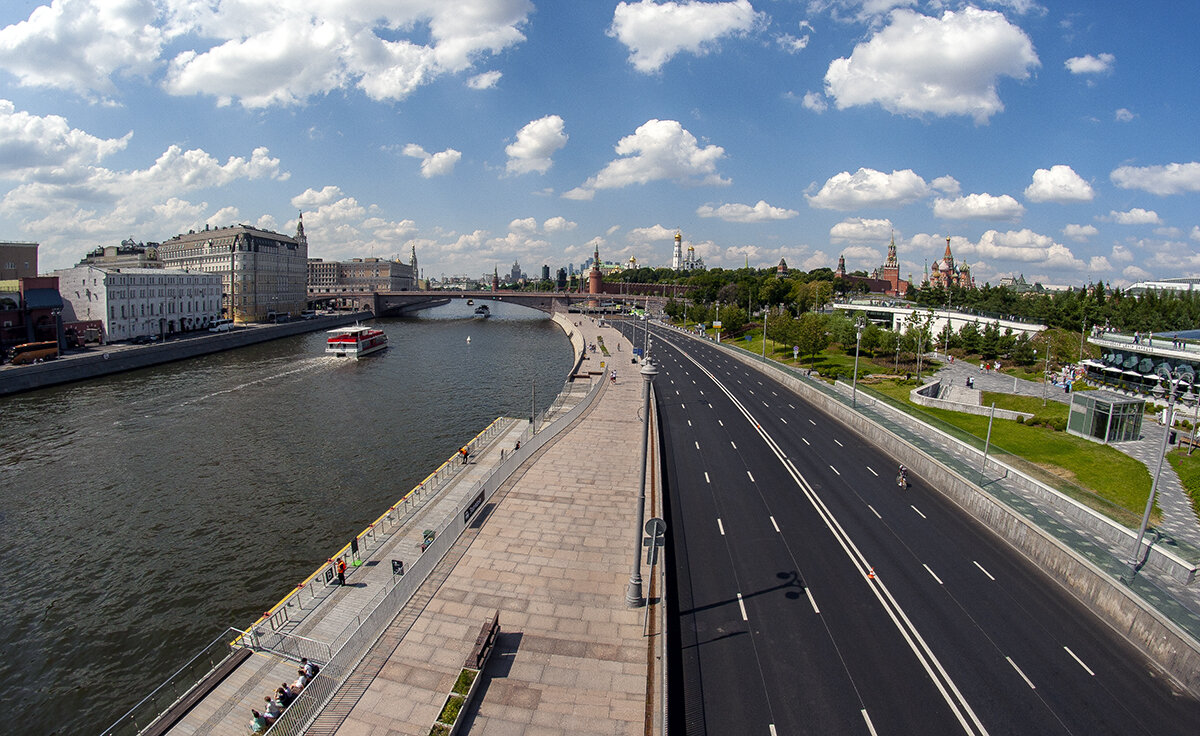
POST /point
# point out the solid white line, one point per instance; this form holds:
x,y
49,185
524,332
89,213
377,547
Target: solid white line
x,y
1080,661
1018,669
935,577
839,444
706,480
870,726
747,618
873,511
806,442
985,572
808,592
721,527
914,508
872,471
774,524
751,477
834,469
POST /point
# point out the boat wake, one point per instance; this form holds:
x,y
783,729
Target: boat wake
x,y
305,365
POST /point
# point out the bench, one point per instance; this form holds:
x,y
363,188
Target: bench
x,y
484,643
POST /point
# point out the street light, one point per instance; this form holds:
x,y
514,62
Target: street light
x,y
633,593
766,313
1176,379
854,384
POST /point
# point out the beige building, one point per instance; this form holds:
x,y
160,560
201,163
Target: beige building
x,y
18,261
263,273
362,275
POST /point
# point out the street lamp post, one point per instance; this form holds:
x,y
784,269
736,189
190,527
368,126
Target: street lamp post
x,y
633,593
766,313
1046,374
1175,379
854,384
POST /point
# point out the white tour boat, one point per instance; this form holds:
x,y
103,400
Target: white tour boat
x,y
355,342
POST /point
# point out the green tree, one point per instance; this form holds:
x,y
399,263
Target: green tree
x,y
810,335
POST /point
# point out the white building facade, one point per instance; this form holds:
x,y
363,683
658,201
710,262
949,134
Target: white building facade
x,y
133,302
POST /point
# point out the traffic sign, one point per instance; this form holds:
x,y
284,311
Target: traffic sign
x,y
656,528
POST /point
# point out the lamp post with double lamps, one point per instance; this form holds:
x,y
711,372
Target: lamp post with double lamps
x,y
633,593
1178,384
854,384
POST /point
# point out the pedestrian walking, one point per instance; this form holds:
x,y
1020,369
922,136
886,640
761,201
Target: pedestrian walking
x,y
341,571
464,452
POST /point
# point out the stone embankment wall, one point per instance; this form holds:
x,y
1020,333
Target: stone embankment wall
x,y
107,360
927,395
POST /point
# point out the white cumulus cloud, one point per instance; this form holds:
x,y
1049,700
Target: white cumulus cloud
x,y
1135,216
1080,233
34,146
435,164
1024,246
760,212
978,207
258,53
860,230
654,32
1099,64
535,144
487,80
1058,184
657,150
1163,180
921,65
869,188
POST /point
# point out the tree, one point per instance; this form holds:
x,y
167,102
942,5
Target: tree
x,y
810,335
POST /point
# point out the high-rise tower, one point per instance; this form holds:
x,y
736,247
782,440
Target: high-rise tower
x,y
677,256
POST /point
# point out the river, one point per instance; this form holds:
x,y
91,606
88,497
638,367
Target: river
x,y
143,513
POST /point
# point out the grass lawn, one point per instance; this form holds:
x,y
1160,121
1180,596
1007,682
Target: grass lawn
x,y
1028,404
1098,475
1188,470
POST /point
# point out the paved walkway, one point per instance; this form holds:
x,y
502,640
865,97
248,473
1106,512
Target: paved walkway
x,y
1178,518
553,556
554,559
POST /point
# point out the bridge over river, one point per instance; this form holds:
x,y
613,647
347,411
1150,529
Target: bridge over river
x,y
394,303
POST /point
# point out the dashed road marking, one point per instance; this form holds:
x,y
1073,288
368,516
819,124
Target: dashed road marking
x,y
872,471
985,572
914,508
742,606
1080,661
834,469
873,511
811,600
774,524
1014,666
721,527
935,577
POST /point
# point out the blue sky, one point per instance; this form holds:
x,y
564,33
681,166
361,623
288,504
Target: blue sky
x,y
1054,140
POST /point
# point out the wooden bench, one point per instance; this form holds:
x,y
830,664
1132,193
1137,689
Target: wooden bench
x,y
484,643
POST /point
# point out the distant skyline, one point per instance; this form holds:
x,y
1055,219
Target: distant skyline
x,y
1044,139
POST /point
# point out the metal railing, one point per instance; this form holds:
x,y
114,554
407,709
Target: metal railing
x,y
353,644
184,680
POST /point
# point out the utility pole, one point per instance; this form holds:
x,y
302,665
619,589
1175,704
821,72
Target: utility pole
x,y
633,593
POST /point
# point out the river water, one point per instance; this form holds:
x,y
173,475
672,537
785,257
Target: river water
x,y
142,513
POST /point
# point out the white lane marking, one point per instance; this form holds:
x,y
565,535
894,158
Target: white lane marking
x,y
1018,669
985,572
732,445
751,391
706,480
766,405
774,524
1080,661
720,423
870,726
697,445
783,420
914,508
834,469
683,406
710,405
701,393
772,727
873,511
742,606
839,444
806,441
791,407
759,382
872,471
721,527
689,422
750,476
811,600
774,394
676,392
931,572
812,422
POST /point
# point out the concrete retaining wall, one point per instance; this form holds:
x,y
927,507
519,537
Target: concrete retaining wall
x,y
574,335
927,396
1162,641
82,367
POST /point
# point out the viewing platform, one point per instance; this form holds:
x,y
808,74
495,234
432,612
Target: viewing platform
x,y
541,535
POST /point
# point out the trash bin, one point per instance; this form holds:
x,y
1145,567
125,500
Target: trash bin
x,y
1171,438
